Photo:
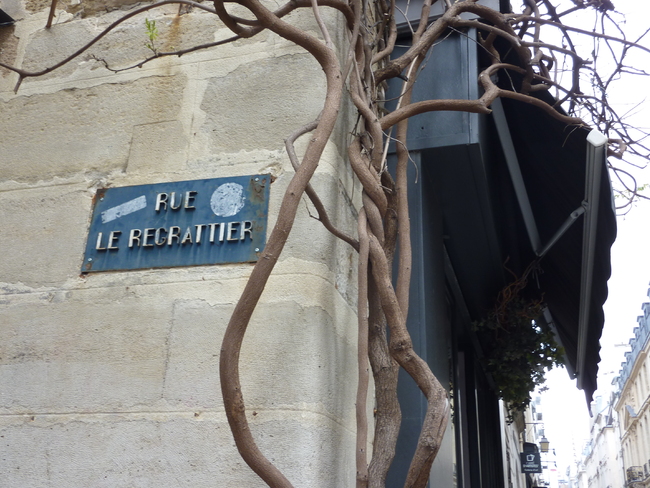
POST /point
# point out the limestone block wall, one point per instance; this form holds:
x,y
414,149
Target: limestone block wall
x,y
111,379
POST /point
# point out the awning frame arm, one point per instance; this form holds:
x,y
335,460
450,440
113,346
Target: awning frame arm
x,y
520,187
515,173
596,159
571,219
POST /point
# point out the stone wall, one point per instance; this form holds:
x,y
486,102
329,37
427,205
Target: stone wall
x,y
111,379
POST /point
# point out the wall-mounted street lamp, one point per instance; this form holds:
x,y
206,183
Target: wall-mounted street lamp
x,y
544,444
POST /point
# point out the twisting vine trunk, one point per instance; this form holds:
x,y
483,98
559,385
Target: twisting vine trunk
x,y
236,329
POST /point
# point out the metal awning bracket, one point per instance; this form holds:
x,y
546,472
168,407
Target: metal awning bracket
x,y
520,188
563,228
515,173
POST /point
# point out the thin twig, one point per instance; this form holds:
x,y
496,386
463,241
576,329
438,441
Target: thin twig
x,y
323,217
50,17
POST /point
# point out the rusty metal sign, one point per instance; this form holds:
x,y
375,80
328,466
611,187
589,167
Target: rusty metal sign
x,y
184,223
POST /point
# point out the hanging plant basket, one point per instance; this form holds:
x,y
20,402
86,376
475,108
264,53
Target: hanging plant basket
x,y
518,347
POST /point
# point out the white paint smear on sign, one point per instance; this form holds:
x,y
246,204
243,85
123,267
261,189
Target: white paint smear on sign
x,y
123,209
227,200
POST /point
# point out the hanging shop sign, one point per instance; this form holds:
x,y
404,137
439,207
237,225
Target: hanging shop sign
x,y
184,223
530,462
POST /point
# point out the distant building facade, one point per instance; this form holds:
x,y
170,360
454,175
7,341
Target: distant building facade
x,y
633,405
602,463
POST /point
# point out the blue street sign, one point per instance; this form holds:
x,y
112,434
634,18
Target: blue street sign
x,y
184,223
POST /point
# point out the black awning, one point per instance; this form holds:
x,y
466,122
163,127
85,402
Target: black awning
x,y
552,158
485,232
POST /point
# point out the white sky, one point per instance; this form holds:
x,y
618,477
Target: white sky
x,y
566,416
